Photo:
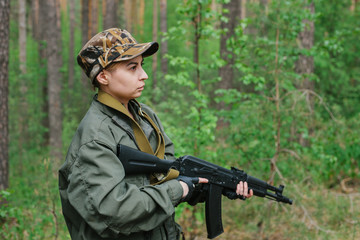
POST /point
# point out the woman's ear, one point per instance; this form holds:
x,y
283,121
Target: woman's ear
x,y
103,77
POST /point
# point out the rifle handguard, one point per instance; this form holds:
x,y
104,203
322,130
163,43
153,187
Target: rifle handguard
x,y
231,194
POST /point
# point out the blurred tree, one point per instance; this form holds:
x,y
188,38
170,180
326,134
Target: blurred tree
x,y
232,14
86,34
23,120
84,21
54,63
22,35
164,43
109,14
196,21
71,62
93,18
128,19
304,66
41,38
353,5
4,92
141,13
154,38
34,16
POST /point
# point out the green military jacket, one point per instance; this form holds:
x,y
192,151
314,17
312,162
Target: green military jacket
x,y
98,200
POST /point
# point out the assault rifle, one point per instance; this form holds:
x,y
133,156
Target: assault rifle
x,y
220,180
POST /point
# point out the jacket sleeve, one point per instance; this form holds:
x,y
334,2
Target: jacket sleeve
x,y
97,190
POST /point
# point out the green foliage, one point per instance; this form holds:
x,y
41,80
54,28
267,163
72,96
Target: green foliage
x,y
319,143
32,210
8,218
337,61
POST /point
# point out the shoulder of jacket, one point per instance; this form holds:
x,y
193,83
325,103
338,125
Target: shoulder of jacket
x,y
96,125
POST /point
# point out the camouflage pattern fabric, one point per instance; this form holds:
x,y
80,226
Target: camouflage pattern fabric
x,y
112,45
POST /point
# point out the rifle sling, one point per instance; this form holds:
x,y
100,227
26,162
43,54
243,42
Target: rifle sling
x,y
140,137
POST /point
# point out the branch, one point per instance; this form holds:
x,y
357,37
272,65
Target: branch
x,y
307,92
313,222
308,215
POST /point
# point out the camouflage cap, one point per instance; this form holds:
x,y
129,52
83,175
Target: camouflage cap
x,y
112,45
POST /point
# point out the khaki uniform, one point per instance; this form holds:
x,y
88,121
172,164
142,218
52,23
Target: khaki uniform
x,y
98,200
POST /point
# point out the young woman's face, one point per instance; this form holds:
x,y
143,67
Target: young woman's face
x,y
127,80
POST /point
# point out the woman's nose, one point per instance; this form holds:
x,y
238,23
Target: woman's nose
x,y
143,74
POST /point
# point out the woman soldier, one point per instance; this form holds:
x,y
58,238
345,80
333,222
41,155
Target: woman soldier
x,y
98,200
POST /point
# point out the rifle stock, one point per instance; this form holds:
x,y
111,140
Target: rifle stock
x,y
135,162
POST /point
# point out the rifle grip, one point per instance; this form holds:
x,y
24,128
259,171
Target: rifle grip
x,y
213,211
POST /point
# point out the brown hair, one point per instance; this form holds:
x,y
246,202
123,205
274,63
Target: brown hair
x,y
111,68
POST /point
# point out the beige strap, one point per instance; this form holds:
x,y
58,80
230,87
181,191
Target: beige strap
x,y
171,174
140,137
160,150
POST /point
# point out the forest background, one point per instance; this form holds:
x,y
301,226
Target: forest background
x,y
271,87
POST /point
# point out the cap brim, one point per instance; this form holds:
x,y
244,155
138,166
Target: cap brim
x,y
144,49
154,47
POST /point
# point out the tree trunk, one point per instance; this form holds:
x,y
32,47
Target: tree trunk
x,y
265,5
226,72
58,7
84,21
243,9
71,62
128,20
41,34
110,16
164,43
305,66
22,36
133,16
141,16
197,35
154,38
54,62
22,121
353,5
4,92
93,18
34,16
85,37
